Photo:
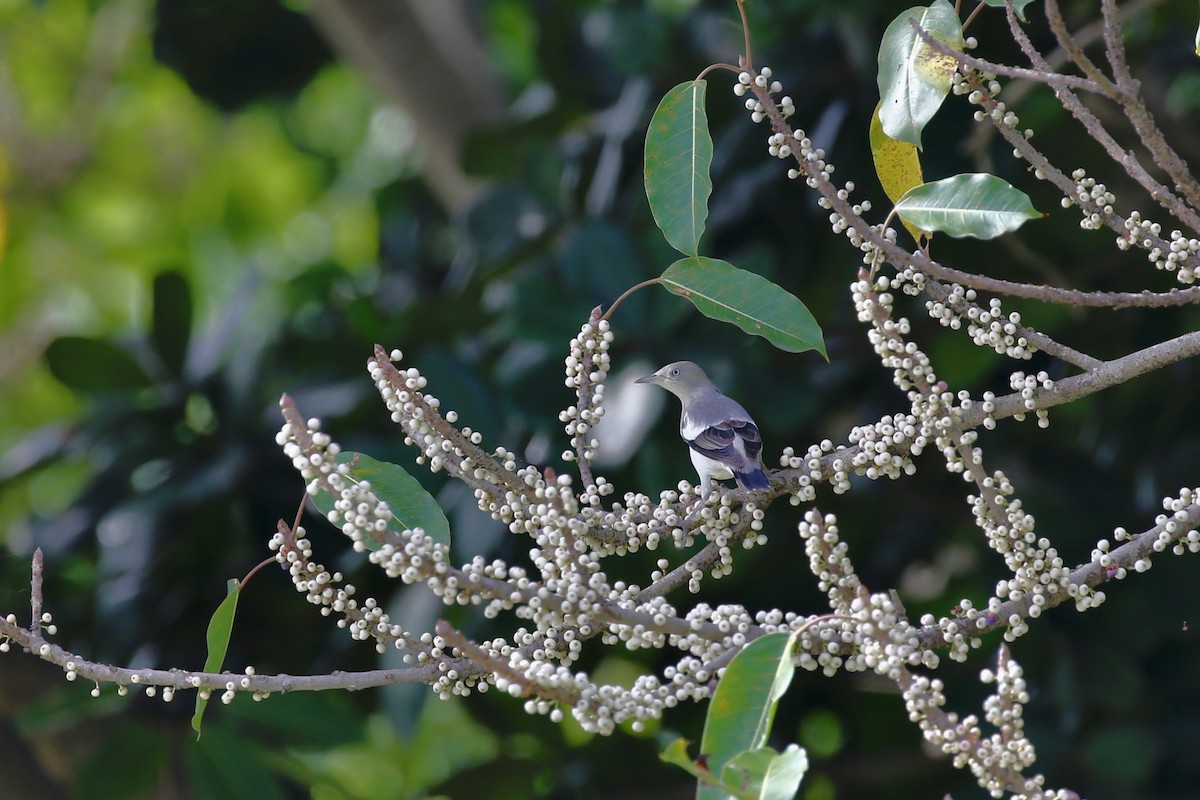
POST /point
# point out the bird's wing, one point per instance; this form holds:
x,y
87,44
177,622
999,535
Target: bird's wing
x,y
720,428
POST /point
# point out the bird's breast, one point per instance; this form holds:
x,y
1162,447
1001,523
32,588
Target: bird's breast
x,y
710,466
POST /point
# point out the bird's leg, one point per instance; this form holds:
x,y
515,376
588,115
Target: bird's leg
x,y
703,495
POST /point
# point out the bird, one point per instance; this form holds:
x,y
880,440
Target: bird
x,y
722,439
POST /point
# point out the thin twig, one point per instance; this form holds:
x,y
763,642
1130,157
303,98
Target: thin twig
x,y
35,592
1019,73
1143,122
1090,574
1074,50
901,257
583,399
1114,47
940,292
1096,130
1053,294
1135,110
477,655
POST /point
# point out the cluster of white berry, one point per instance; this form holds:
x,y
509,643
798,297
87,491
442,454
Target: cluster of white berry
x,y
866,632
417,413
758,111
911,368
805,490
838,223
992,328
886,448
1028,386
989,327
331,595
997,110
997,761
786,142
982,89
1093,197
410,554
882,449
587,368
1177,529
1181,255
1038,572
567,598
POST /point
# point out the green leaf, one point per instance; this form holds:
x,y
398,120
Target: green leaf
x,y
220,627
914,78
412,506
765,774
741,711
93,365
1018,6
723,292
678,155
171,326
784,773
973,204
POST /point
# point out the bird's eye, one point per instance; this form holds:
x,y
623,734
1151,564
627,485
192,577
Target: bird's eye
x,y
675,372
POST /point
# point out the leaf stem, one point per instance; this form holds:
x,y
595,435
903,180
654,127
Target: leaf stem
x,y
628,292
291,537
748,58
712,67
974,13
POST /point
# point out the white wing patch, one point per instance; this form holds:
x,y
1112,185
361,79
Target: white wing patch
x,y
689,429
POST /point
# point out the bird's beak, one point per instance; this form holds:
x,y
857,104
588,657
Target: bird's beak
x,y
649,379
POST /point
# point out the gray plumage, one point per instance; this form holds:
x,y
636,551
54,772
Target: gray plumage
x,y
722,438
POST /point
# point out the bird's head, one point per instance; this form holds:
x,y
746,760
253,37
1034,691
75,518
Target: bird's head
x,y
682,378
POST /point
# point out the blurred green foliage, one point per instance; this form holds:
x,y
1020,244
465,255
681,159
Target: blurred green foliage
x,y
188,234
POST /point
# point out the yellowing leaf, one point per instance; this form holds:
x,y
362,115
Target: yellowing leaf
x,y
897,164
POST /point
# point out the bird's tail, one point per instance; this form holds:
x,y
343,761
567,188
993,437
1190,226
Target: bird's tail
x,y
755,480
